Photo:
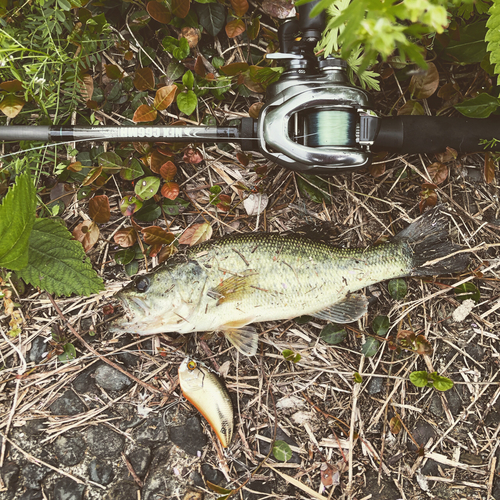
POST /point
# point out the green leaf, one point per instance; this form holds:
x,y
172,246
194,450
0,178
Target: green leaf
x,y
467,291
333,334
397,288
381,325
218,489
146,188
289,355
307,187
302,320
370,347
125,256
471,47
419,379
132,171
175,70
212,17
441,383
110,162
17,216
148,213
132,268
69,353
188,79
57,263
187,102
282,451
479,107
358,378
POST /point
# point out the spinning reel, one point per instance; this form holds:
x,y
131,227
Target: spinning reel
x,y
313,119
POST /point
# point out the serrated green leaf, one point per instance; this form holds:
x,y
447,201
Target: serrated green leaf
x,y
57,263
398,288
333,334
381,325
146,188
282,451
17,216
419,378
187,102
370,347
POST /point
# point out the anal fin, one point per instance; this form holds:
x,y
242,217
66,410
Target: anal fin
x,y
245,337
349,309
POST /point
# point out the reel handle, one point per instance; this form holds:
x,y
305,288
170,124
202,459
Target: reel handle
x,y
433,134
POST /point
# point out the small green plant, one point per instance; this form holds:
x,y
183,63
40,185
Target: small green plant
x,y
293,357
425,379
333,334
282,451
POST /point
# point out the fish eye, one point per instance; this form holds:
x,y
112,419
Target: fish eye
x,y
142,284
191,365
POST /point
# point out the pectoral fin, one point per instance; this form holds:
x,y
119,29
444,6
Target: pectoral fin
x,y
349,309
245,338
235,287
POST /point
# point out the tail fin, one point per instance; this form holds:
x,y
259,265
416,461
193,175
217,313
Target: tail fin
x,y
428,238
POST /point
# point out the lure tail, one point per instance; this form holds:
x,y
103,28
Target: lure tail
x,y
429,241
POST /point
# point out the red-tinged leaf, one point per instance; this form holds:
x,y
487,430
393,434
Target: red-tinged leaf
x,y
165,150
75,166
240,7
113,72
225,202
242,158
428,195
11,105
278,8
329,474
253,29
144,113
425,82
159,12
197,233
423,346
92,104
128,56
489,168
166,252
156,160
99,210
438,172
86,86
255,110
164,97
92,176
448,155
129,205
170,190
199,67
155,234
125,237
154,249
210,77
143,148
234,68
218,489
180,8
395,425
87,233
144,79
108,310
411,108
235,28
377,169
12,86
192,35
168,171
192,155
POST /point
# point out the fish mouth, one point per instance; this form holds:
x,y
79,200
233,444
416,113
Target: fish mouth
x,y
134,308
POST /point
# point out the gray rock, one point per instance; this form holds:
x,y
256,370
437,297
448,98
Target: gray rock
x,y
111,379
454,400
189,436
32,495
430,468
422,432
70,449
159,484
101,472
85,382
35,427
475,351
68,404
33,475
375,385
67,489
140,459
160,456
103,442
436,406
10,475
151,433
38,348
209,474
129,359
124,490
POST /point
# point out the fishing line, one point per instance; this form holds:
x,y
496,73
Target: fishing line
x,y
323,128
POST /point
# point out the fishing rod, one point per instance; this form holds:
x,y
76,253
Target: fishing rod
x,y
313,120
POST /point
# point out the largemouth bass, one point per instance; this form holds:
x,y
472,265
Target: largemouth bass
x,y
204,390
227,284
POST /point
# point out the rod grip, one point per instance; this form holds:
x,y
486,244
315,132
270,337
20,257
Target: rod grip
x,y
433,134
24,133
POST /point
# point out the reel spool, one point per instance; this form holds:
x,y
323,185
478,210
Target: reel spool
x,y
331,127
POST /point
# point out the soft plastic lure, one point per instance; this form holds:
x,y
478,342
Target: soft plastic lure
x,y
203,388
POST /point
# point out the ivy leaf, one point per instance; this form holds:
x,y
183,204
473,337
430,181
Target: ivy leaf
x,y
425,82
398,288
129,205
441,383
168,171
419,378
12,105
146,188
113,72
212,17
125,256
187,101
57,263
99,210
12,86
155,234
17,216
240,7
282,451
180,8
170,190
333,334
132,170
144,113
69,353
